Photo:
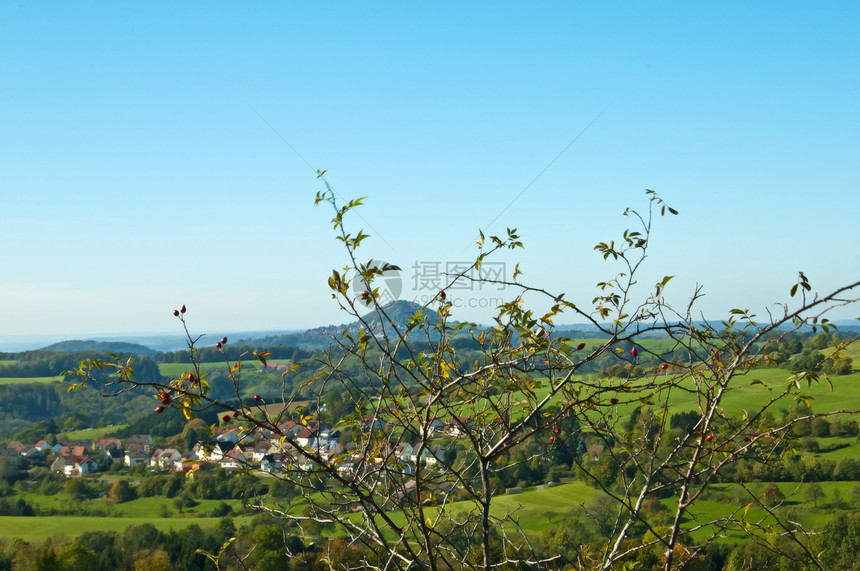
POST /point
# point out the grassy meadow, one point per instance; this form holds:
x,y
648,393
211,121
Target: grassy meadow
x,y
28,380
175,370
89,433
62,527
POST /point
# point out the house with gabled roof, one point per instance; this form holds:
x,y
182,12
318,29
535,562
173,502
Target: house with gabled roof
x,y
230,435
348,465
430,455
211,451
74,465
262,448
87,443
17,446
246,451
276,462
289,427
142,440
435,425
403,451
48,448
164,458
186,463
328,449
73,450
107,443
437,454
306,438
233,460
58,463
457,426
330,434
135,456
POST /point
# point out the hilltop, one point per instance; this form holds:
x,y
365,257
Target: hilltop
x,y
99,347
398,312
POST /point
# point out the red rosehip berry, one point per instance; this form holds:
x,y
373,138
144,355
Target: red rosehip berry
x,y
746,438
580,347
165,398
365,293
635,352
552,439
226,418
258,398
235,414
176,312
472,400
613,400
218,345
664,366
442,295
223,341
710,437
182,309
159,409
193,379
557,430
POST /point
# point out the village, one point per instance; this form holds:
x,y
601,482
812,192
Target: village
x,y
235,451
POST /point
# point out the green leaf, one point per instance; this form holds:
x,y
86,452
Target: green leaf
x,y
261,355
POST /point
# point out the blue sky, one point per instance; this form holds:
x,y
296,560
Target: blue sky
x,y
137,175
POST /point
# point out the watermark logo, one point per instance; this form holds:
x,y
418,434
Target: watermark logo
x,y
430,275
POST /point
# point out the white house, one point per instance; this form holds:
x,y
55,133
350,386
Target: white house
x,y
134,457
165,458
75,465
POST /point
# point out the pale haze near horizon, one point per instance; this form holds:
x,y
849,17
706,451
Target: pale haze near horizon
x,y
137,173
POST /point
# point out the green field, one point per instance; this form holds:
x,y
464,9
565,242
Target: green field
x,y
536,509
90,433
158,511
746,394
175,370
733,497
852,450
58,527
24,380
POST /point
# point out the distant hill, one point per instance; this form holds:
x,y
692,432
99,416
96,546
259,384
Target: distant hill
x,y
311,340
591,330
99,347
399,312
320,337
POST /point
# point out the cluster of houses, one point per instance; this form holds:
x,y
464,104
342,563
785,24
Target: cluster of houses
x,y
232,451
